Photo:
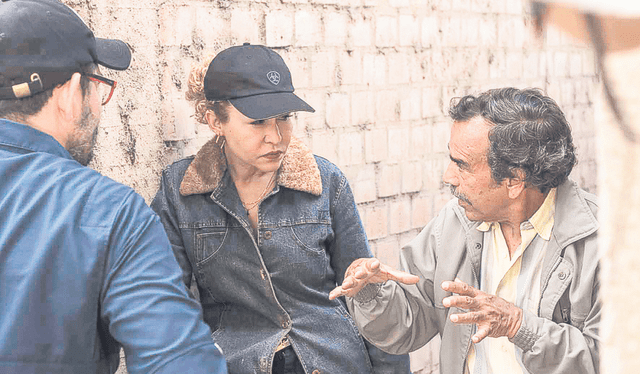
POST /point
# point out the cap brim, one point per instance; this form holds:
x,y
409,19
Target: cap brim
x,y
113,53
270,105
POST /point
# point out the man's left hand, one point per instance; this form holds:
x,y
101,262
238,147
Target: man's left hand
x,y
494,316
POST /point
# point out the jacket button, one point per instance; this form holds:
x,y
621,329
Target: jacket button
x,y
286,324
562,275
267,235
478,246
262,274
316,371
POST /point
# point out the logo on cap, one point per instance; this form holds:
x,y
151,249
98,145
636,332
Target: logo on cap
x,y
274,77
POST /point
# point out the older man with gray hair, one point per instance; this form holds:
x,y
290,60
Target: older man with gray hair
x,y
507,273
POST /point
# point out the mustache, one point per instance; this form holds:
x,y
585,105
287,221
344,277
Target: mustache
x,y
459,195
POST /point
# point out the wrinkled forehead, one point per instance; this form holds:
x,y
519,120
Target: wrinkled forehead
x,y
470,139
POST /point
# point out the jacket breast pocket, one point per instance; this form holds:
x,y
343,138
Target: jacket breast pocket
x,y
208,243
311,237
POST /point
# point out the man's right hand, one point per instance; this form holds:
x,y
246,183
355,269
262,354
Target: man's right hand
x,y
369,270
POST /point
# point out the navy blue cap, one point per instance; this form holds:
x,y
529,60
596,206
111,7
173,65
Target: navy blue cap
x,y
48,38
255,80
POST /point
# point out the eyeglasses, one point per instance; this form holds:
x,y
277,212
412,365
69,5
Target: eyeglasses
x,y
105,89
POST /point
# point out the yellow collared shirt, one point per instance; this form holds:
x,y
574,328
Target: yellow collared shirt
x,y
514,278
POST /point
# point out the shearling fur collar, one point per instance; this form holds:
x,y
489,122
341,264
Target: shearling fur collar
x,y
299,170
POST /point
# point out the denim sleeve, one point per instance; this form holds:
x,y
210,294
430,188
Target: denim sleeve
x,y
350,240
145,304
351,243
163,205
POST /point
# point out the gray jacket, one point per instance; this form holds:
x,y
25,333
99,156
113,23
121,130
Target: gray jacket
x,y
562,337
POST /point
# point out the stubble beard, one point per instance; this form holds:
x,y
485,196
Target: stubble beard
x,y
83,140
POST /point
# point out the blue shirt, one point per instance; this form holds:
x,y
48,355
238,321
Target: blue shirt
x,y
86,267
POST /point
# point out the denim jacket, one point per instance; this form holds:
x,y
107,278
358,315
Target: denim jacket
x,y
257,290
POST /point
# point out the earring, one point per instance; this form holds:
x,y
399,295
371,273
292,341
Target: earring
x,y
220,141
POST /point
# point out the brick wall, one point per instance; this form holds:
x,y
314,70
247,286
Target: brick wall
x,y
380,74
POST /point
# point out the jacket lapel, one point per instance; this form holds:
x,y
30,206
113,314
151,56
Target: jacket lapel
x,y
573,221
474,243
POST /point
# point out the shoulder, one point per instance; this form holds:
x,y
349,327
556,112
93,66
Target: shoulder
x,y
334,180
590,199
453,217
97,198
109,201
576,205
448,230
173,174
83,181
328,168
178,168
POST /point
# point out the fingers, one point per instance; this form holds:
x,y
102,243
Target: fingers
x,y
400,276
459,287
336,292
350,287
484,327
493,316
366,268
467,318
480,335
462,302
372,264
358,275
361,266
369,270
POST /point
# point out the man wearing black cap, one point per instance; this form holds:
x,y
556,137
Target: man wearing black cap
x,y
85,265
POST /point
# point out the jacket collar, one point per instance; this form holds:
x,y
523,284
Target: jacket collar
x,y
574,220
299,170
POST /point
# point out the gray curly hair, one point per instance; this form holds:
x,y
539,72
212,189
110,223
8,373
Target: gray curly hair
x,y
529,132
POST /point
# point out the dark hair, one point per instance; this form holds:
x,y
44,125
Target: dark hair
x,y
22,108
529,132
221,110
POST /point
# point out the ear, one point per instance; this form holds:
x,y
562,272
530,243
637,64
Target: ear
x,y
68,100
214,122
516,184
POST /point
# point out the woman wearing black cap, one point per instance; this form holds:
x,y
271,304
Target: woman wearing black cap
x,y
264,227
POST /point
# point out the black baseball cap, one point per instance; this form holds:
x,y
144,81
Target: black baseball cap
x,y
42,42
255,80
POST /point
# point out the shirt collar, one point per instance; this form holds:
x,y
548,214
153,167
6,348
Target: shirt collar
x,y
18,135
542,220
